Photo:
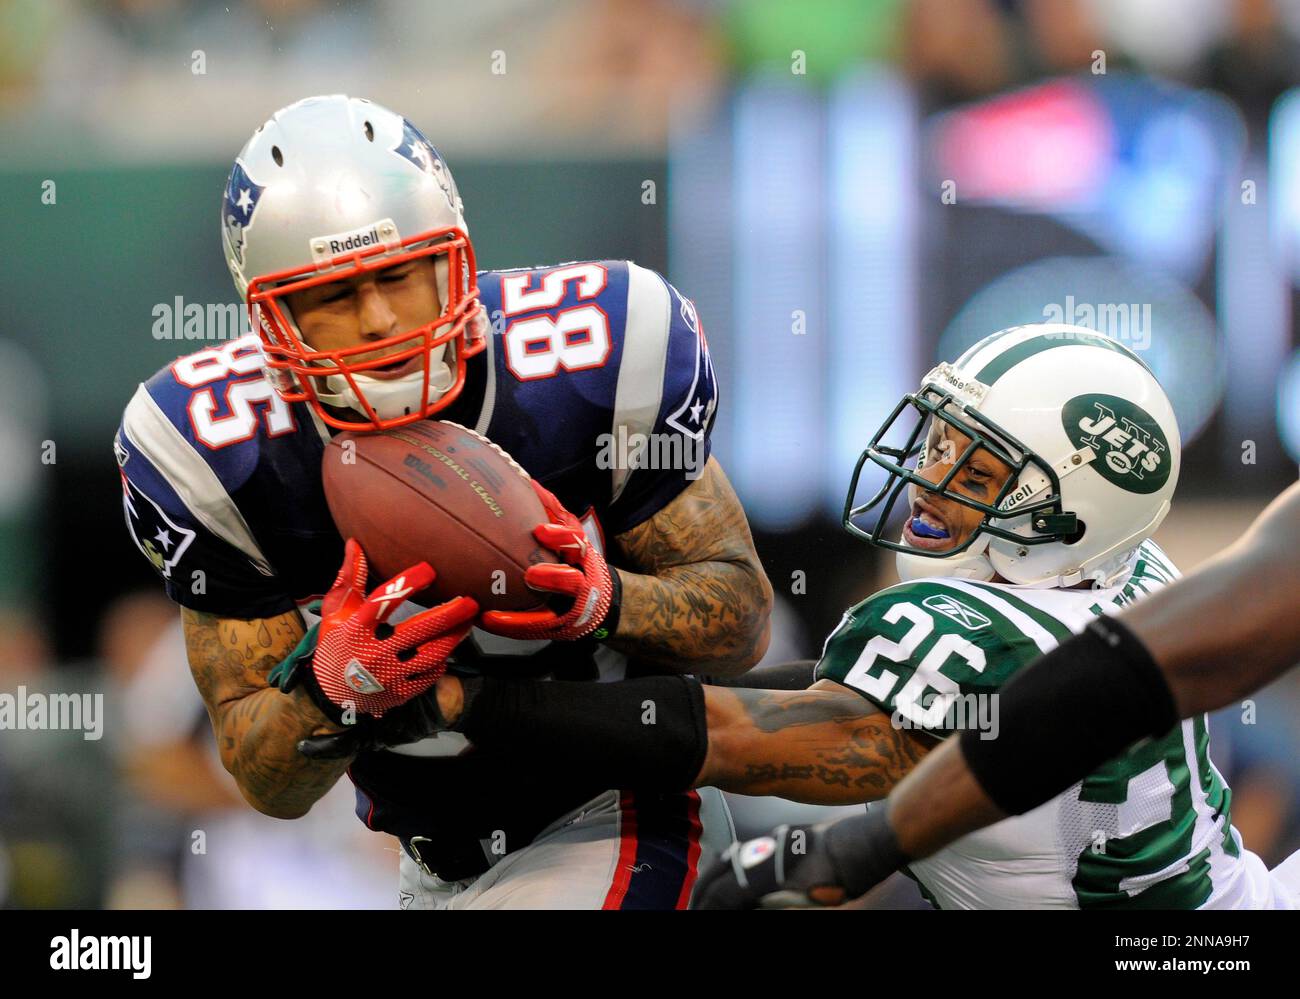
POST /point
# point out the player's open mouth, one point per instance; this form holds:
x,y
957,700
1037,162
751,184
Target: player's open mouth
x,y
397,369
925,529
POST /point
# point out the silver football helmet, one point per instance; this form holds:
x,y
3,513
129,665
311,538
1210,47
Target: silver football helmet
x,y
330,188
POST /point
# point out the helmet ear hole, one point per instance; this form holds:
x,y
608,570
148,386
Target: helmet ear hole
x,y
370,132
1077,535
277,156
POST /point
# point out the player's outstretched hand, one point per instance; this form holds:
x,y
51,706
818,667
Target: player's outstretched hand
x,y
583,583
800,867
360,661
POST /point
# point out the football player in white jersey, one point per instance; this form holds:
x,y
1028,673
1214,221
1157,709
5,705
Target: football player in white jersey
x,y
1034,471
1171,657
1050,459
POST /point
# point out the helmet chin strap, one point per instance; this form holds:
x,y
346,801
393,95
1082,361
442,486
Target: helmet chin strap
x,y
390,397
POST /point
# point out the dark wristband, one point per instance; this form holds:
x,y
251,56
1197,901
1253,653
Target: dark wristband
x,y
650,734
334,712
609,624
296,671
863,851
1078,706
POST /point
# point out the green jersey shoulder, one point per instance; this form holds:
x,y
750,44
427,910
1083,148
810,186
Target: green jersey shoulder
x,y
1151,828
924,651
930,651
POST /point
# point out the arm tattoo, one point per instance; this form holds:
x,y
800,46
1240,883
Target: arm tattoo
x,y
697,595
818,746
258,727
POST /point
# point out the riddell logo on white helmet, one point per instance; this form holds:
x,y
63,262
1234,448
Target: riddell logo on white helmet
x,y
1132,447
947,378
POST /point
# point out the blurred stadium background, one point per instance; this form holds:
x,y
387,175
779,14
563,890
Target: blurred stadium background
x,y
849,189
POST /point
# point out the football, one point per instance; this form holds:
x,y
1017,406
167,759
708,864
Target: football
x,y
437,492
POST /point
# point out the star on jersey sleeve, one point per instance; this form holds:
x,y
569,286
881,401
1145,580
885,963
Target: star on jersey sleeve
x,y
186,527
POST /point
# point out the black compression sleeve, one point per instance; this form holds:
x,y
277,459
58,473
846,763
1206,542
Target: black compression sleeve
x,y
799,674
650,734
1078,706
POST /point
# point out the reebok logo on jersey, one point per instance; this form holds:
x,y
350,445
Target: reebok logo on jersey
x,y
361,679
951,607
1132,450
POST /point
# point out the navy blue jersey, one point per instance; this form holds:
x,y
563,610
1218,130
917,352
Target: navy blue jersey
x,y
222,486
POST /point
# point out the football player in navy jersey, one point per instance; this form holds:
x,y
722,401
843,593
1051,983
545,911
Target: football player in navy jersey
x,y
344,233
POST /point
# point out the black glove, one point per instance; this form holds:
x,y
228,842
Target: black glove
x,y
838,861
417,719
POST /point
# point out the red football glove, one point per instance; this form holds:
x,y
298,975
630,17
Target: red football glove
x,y
584,578
360,660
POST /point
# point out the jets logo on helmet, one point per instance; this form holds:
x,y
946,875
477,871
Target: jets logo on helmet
x,y
1058,518
1128,439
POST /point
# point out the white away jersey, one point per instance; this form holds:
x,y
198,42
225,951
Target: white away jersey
x,y
1151,829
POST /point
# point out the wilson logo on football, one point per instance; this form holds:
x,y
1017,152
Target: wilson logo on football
x,y
1132,448
950,607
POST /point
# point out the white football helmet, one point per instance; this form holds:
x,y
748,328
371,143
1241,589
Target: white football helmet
x,y
329,188
1090,436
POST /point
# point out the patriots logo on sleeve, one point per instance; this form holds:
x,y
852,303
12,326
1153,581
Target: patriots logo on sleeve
x,y
692,417
161,539
237,208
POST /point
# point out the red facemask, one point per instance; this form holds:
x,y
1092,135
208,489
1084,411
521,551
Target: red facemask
x,y
295,369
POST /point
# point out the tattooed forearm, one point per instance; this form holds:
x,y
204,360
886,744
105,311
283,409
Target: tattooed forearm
x,y
258,728
822,746
697,597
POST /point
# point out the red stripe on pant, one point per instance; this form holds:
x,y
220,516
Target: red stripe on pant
x,y
626,852
693,851
659,851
